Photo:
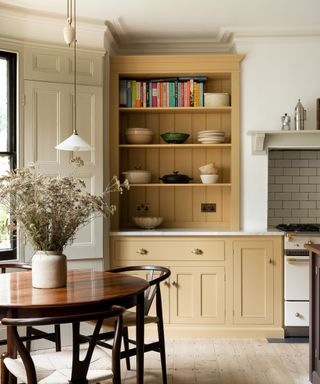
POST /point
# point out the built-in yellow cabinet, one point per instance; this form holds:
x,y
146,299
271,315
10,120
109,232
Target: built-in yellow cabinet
x,y
197,295
227,286
191,203
253,282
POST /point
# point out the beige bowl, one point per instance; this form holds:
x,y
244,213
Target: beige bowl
x,y
209,179
208,169
148,222
139,137
137,176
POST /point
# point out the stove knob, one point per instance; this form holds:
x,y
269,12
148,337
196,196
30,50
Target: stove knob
x,y
309,242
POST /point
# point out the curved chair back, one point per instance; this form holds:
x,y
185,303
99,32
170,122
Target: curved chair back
x,y
155,275
81,365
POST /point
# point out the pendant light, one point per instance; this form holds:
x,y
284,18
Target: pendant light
x,y
74,142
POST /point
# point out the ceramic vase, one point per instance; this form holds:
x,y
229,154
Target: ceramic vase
x,y
49,269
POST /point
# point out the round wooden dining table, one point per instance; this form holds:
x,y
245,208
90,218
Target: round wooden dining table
x,y
86,290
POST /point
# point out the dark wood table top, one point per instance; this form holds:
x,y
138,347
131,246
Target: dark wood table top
x,y
83,287
313,248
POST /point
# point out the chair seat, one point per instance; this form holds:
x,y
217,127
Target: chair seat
x,y
55,367
129,320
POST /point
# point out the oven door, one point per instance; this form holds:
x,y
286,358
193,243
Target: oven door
x,y
296,278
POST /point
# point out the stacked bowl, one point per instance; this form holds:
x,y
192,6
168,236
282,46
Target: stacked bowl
x,y
139,135
211,137
209,173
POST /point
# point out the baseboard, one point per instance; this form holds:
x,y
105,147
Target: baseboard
x,y
183,331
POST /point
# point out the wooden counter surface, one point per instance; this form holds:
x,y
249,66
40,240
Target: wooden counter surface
x,y
313,248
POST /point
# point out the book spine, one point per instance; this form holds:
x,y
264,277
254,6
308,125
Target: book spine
x,y
162,94
154,94
138,94
158,94
133,97
196,94
187,93
176,97
165,90
201,95
129,93
171,97
191,93
123,93
145,94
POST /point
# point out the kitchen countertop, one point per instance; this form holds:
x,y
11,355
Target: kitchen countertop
x,y
194,232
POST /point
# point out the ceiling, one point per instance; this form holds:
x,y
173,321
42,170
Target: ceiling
x,y
188,21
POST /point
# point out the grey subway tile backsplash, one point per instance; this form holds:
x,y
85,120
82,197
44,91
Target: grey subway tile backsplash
x,y
293,186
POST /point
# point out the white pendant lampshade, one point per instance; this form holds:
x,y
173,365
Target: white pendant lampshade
x,y
74,143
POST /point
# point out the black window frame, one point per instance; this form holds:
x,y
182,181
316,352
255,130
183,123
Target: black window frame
x,y
11,58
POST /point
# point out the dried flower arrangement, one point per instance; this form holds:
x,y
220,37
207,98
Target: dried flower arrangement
x,y
50,210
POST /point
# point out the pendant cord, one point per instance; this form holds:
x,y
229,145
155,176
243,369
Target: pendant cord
x,y
75,68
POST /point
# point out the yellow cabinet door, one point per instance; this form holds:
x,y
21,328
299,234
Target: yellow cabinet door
x,y
197,295
253,282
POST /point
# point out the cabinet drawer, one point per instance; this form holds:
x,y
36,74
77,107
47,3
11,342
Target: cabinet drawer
x,y
296,313
168,249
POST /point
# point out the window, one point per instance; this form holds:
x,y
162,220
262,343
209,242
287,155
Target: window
x,y
8,143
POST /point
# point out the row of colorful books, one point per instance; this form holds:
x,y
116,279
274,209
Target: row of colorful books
x,y
165,93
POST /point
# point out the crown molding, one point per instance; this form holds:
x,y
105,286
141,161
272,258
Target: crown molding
x,y
21,24
39,27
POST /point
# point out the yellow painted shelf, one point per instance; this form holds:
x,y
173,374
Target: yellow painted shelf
x,y
146,146
181,185
175,109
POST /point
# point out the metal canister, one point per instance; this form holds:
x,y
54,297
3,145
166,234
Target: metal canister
x,y
300,115
285,122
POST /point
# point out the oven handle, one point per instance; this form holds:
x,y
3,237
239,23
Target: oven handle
x,y
300,260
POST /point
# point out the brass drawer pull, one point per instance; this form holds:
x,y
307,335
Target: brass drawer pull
x,y
174,284
142,251
197,251
166,284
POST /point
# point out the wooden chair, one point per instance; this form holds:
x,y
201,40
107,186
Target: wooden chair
x,y
79,364
31,332
155,275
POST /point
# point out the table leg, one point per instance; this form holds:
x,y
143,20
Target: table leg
x,y
140,338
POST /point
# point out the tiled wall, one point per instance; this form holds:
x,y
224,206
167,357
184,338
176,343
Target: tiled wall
x,y
293,186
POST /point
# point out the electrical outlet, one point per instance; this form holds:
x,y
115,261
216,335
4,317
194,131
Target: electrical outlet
x,y
143,207
208,207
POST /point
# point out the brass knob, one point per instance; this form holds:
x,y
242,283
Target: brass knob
x,y
142,251
297,314
166,284
197,251
309,242
174,284
270,261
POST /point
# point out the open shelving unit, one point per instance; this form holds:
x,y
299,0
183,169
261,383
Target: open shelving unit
x,y
179,204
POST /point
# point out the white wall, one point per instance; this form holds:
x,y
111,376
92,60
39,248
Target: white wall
x,y
274,75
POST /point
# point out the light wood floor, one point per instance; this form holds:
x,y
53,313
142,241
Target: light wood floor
x,y
227,361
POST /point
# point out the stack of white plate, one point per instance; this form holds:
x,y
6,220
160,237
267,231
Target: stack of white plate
x,y
211,137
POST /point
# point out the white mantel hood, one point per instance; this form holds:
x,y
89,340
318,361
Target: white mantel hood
x,y
263,140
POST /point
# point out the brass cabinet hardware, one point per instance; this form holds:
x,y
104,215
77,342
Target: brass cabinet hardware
x,y
197,251
294,260
142,251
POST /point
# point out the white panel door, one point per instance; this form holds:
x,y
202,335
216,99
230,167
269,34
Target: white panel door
x,y
48,121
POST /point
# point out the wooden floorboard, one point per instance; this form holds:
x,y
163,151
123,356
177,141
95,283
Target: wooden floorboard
x,y
226,361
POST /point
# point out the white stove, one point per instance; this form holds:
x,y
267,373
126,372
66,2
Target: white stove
x,y
296,276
